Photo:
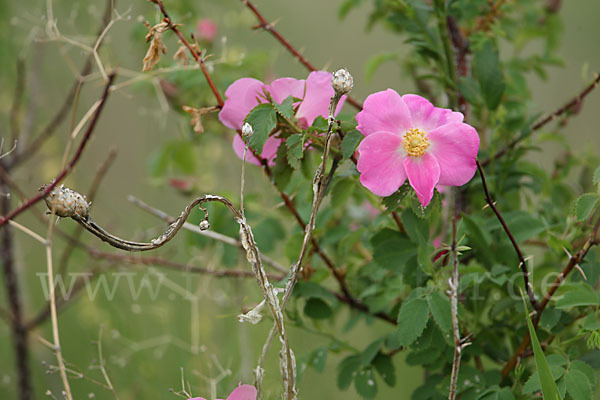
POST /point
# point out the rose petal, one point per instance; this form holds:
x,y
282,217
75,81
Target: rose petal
x,y
243,392
282,88
269,150
455,148
316,98
384,112
380,163
423,174
242,96
426,117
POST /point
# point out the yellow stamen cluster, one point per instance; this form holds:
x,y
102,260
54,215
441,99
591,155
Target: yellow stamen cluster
x,y
415,142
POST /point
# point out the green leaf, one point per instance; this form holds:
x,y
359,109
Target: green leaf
x,y
286,108
584,205
549,389
267,233
585,369
469,89
376,61
318,358
385,367
580,294
392,250
346,370
439,305
392,201
365,383
317,309
263,120
370,352
349,143
295,150
416,228
488,73
596,177
523,225
346,6
282,171
578,385
412,319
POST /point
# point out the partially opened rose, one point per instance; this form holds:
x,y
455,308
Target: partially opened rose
x,y
242,392
407,137
246,93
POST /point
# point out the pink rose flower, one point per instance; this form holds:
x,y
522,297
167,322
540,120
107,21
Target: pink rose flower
x,y
242,392
246,93
407,137
206,29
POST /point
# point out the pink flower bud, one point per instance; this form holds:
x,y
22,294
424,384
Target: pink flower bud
x,y
206,29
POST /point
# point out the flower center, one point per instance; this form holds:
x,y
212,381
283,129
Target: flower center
x,y
415,142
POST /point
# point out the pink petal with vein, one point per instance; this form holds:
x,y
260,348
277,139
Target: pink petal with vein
x,y
243,392
455,147
423,174
380,163
269,150
384,112
316,98
427,117
242,96
282,88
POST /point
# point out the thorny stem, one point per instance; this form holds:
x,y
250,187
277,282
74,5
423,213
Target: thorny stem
x,y
522,260
11,283
70,165
263,24
192,51
574,260
574,102
459,344
319,185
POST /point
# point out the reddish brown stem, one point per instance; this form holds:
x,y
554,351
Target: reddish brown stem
x,y
573,261
522,261
192,51
11,284
263,24
71,164
575,101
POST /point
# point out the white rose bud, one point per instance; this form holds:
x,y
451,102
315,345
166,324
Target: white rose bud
x,y
342,81
247,130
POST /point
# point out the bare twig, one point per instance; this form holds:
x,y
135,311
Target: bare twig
x,y
11,284
522,260
575,101
459,344
17,100
62,113
199,59
263,24
65,171
592,240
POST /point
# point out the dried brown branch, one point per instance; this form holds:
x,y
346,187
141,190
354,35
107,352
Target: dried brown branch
x,y
213,235
576,101
19,333
63,112
263,24
199,59
70,165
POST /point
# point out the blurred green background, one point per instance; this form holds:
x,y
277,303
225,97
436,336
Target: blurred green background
x,y
148,342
